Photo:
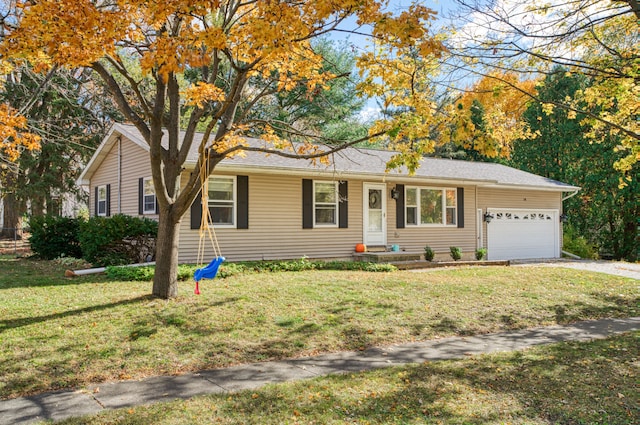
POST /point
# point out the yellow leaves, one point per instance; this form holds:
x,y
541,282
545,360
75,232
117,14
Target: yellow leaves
x,y
242,41
488,116
13,138
406,28
547,108
200,93
69,32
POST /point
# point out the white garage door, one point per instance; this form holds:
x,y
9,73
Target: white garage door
x,y
521,234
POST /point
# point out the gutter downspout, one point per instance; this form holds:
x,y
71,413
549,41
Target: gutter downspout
x,y
119,175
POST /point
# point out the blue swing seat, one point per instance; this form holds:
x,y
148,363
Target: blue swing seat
x,y
210,271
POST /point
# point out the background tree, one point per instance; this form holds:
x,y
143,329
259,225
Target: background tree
x,y
69,115
606,214
165,59
330,114
487,117
593,37
14,138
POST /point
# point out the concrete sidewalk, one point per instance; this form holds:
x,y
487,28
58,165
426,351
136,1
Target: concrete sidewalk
x,y
64,404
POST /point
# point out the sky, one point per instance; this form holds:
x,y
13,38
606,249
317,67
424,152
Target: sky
x,y
371,110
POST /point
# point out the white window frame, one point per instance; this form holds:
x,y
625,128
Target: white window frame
x,y
334,205
145,195
415,206
233,203
101,200
418,204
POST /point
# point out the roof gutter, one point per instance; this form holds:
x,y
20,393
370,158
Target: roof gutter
x,y
386,177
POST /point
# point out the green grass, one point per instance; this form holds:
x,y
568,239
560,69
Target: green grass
x,y
57,332
570,383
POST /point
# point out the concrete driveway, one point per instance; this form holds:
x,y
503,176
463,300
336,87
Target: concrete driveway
x,y
617,268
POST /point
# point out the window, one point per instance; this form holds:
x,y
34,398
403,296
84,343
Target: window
x,y
411,198
222,200
430,206
451,208
148,197
101,201
325,203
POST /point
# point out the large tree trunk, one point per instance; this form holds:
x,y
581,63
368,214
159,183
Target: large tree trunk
x,y
165,280
11,217
14,208
630,239
37,206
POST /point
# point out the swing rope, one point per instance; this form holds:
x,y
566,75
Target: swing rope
x,y
206,230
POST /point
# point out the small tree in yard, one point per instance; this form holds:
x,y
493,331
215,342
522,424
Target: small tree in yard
x,y
205,65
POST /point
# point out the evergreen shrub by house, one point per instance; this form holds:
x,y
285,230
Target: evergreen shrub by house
x,y
53,236
429,253
108,241
576,244
456,253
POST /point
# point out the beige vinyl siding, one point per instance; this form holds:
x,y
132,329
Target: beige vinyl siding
x,y
275,226
415,238
517,198
134,165
106,173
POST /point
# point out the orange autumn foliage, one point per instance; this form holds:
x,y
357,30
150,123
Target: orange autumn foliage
x,y
13,135
504,99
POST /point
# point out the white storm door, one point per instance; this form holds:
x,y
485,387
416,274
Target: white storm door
x,y
375,214
479,235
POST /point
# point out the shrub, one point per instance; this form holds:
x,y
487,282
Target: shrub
x,y
53,237
185,271
117,240
481,253
428,253
456,253
130,273
578,245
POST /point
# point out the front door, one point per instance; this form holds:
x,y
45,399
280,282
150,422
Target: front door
x,y
375,216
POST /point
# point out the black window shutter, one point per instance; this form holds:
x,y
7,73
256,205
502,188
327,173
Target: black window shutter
x,y
400,207
307,204
343,205
460,207
141,196
95,202
108,200
196,211
243,202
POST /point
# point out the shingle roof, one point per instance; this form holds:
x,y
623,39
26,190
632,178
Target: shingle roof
x,y
370,162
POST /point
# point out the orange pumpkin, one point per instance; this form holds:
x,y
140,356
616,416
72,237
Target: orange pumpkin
x,y
361,247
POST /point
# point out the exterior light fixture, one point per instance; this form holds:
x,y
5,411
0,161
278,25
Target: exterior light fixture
x,y
564,218
395,193
488,217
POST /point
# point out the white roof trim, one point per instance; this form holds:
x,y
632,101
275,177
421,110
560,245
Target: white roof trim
x,y
389,177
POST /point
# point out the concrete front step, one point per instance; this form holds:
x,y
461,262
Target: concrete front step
x,y
387,256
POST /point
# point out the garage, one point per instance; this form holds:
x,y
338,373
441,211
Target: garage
x,y
522,234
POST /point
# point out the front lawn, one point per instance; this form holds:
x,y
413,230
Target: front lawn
x,y
571,383
57,332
